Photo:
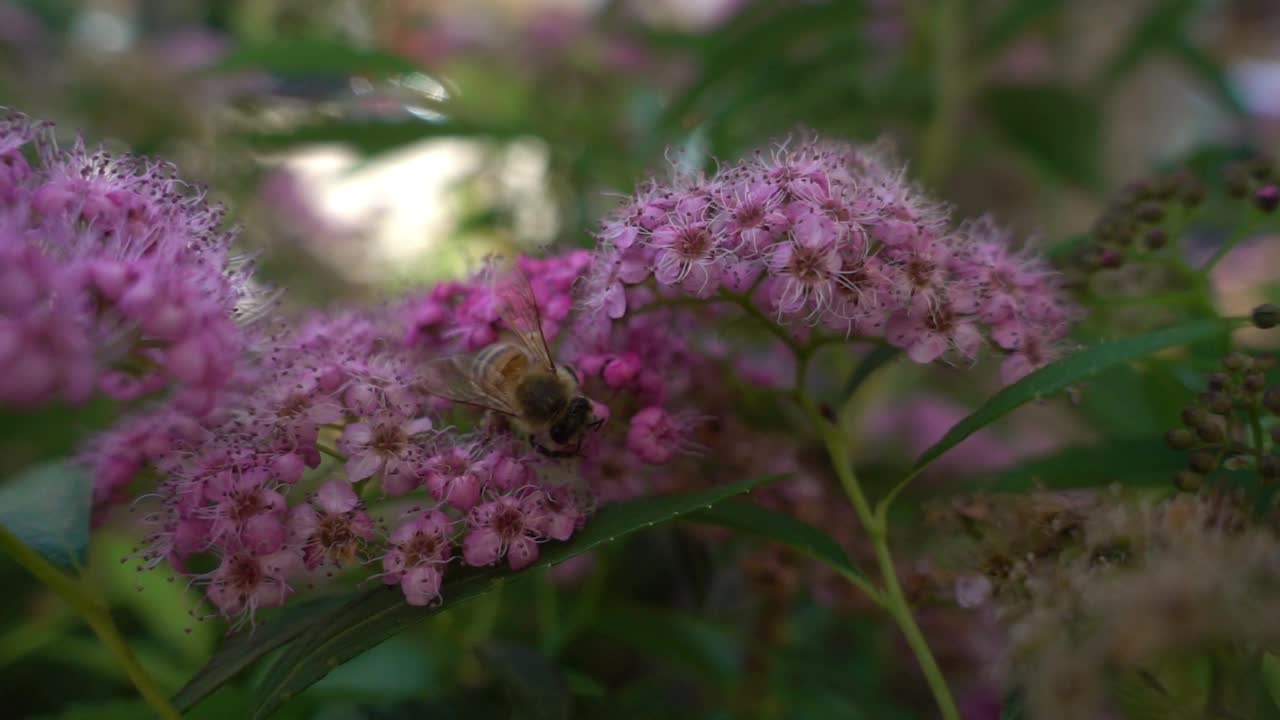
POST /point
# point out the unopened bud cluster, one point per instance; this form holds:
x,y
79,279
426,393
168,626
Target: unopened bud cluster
x,y
1227,425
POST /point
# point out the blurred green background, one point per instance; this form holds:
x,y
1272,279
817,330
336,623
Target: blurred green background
x,y
366,147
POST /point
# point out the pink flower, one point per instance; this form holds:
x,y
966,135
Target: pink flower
x,y
331,527
656,436
420,549
385,444
505,526
244,582
246,511
688,254
927,336
454,475
805,270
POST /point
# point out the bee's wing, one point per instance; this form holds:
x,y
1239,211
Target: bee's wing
x,y
454,378
521,314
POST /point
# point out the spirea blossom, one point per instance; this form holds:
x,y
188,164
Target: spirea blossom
x,y
832,237
271,484
115,277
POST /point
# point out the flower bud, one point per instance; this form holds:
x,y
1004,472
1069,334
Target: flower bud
x,y
1187,481
1218,381
1271,399
1267,198
1151,212
1236,361
1156,238
1236,180
1202,462
1269,467
1265,316
1180,439
1255,381
1219,403
1194,417
1211,432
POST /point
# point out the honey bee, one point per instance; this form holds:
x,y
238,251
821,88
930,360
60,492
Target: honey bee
x,y
518,380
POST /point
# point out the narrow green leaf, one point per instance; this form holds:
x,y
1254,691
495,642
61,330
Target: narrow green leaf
x,y
1269,668
1018,16
1056,127
312,57
535,687
1166,22
1068,371
746,516
47,507
1138,461
373,616
246,647
1064,247
1211,73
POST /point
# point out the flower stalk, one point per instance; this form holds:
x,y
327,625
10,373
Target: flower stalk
x,y
891,597
95,615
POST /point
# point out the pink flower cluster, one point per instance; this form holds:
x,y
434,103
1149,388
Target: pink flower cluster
x,y
831,236
115,277
268,486
346,386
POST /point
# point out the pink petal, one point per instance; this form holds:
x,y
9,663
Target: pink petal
x,y
481,547
522,553
363,465
336,496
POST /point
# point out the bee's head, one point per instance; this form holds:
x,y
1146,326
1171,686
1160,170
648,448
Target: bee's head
x,y
576,416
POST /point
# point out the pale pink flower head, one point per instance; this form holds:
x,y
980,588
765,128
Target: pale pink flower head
x,y
331,527
506,526
930,334
244,582
420,548
247,511
455,475
657,436
386,444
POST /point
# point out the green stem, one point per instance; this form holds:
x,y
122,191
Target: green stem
x,y
945,29
893,598
331,452
97,617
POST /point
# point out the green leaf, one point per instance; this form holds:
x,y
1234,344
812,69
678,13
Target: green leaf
x,y
1135,461
1018,15
1066,372
535,687
1065,247
1166,22
1270,671
312,57
746,516
375,615
1211,73
1057,128
47,507
246,647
